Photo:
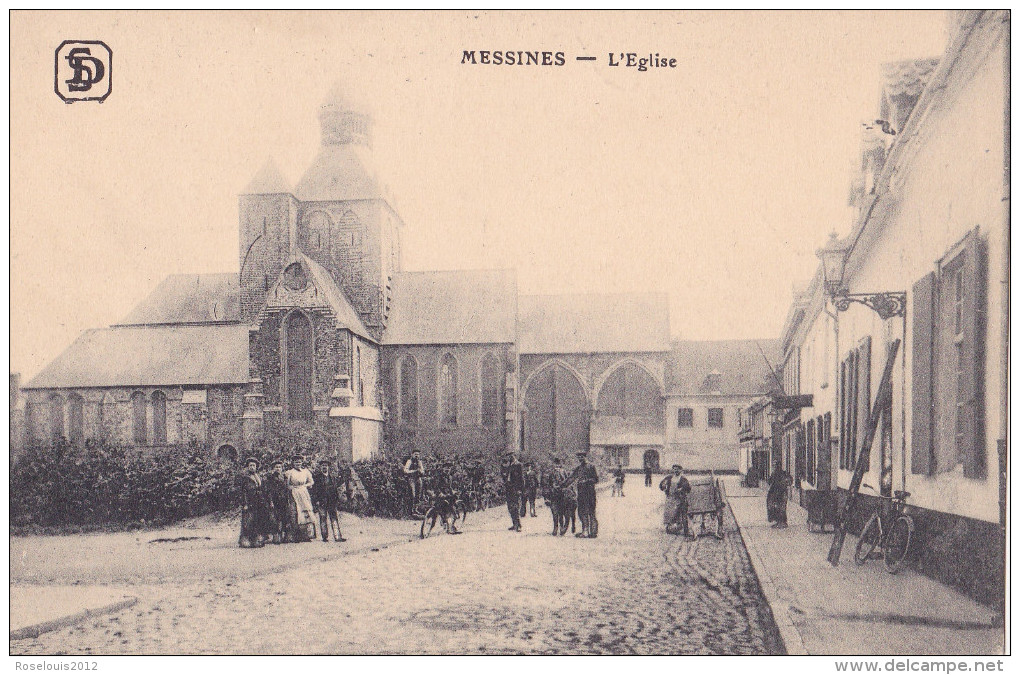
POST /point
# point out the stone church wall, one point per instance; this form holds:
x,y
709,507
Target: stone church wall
x,y
429,435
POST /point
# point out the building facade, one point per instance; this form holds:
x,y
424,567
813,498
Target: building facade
x,y
932,226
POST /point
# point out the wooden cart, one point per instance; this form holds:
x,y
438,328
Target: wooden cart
x,y
707,499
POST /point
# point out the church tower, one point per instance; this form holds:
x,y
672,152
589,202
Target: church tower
x,y
345,221
268,223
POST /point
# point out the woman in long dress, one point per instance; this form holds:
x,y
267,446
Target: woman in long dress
x,y
254,512
299,479
775,500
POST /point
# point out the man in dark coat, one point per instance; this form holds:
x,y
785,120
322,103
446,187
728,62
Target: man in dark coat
x,y
254,507
775,500
513,487
281,528
677,487
586,477
326,501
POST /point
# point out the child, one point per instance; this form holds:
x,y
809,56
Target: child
x,y
619,476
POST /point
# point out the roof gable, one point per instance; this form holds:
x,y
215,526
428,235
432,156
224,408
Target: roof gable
x,y
319,292
268,181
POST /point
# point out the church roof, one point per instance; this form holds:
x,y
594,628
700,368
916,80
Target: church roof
x,y
189,298
594,323
345,313
720,367
340,173
453,307
268,181
138,356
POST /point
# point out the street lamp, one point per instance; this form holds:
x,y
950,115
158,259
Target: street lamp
x,y
833,256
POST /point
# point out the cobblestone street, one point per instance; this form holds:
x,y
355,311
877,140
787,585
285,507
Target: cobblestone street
x,y
634,590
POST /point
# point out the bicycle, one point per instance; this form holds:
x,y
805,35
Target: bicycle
x,y
449,508
892,537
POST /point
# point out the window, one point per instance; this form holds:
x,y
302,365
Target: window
x,y
948,408
56,417
139,422
490,391
298,366
685,417
159,417
75,419
360,380
618,455
854,402
408,403
715,417
448,391
812,452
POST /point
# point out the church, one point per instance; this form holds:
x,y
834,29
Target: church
x,y
321,328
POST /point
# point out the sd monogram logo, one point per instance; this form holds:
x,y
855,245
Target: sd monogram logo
x,y
82,71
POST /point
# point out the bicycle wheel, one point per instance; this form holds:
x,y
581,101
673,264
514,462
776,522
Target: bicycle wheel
x,y
871,535
897,543
428,522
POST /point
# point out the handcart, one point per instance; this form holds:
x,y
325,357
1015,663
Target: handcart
x,y
707,499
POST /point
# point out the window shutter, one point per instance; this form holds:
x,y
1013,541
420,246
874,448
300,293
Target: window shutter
x,y
863,395
921,448
972,380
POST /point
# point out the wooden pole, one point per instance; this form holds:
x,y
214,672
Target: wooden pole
x,y
882,398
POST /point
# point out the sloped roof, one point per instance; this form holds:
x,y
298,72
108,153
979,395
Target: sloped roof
x,y
907,78
345,313
340,173
591,323
454,307
189,298
736,366
150,356
268,181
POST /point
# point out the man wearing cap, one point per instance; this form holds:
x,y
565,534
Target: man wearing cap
x,y
586,478
414,471
254,511
299,480
280,528
326,500
677,487
513,487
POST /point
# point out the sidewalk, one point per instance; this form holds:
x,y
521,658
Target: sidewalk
x,y
853,609
39,609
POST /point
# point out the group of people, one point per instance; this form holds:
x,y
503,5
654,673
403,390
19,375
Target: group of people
x,y
281,506
520,486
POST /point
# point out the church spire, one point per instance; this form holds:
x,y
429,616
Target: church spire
x,y
267,181
342,122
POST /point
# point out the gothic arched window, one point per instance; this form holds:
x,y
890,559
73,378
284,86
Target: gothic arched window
x,y
490,391
409,391
56,417
75,419
158,418
299,354
448,391
139,425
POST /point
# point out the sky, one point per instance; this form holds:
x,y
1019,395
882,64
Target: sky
x,y
714,181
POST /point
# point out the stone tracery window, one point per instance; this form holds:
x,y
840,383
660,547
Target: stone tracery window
x,y
448,391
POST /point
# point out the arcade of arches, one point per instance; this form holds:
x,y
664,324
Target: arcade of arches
x,y
625,425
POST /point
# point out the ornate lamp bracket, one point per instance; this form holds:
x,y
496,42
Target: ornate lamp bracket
x,y
886,305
